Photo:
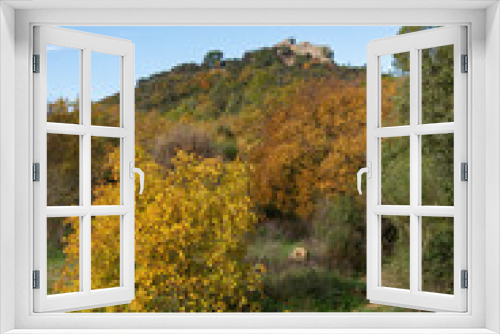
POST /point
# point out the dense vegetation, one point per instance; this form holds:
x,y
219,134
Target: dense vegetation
x,y
247,159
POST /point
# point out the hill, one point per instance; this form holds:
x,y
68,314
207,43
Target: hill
x,y
228,86
292,124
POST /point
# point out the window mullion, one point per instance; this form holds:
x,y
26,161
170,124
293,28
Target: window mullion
x,y
81,171
414,171
86,165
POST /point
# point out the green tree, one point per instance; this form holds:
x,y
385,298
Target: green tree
x,y
213,58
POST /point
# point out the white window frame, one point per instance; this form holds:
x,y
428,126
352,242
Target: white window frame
x,y
483,314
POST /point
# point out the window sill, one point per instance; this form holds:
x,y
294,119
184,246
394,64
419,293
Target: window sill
x,y
251,331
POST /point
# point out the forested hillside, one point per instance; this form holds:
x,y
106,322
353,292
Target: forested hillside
x,y
247,160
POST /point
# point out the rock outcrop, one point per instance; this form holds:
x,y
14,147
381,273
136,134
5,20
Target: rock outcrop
x,y
322,53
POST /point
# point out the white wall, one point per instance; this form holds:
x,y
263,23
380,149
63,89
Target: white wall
x,y
7,163
492,164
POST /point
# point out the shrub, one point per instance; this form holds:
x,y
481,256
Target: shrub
x,y
230,150
341,224
191,239
185,137
437,255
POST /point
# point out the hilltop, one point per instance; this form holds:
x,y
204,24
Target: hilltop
x,y
218,86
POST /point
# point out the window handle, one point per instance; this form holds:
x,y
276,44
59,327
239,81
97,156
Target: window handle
x,y
133,170
368,171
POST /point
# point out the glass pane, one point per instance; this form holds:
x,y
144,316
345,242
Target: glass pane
x,y
395,89
395,170
437,169
437,254
395,233
105,89
63,255
63,170
437,84
105,171
63,84
105,252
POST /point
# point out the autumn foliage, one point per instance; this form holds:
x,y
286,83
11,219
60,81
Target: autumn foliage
x,y
312,143
226,149
191,228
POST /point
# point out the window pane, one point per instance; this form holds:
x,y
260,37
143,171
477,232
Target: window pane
x,y
395,89
105,171
437,169
437,254
105,252
395,170
105,89
63,255
395,233
437,84
63,84
63,170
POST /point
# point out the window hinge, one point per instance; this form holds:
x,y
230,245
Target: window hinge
x,y
36,279
36,63
464,172
465,279
465,64
36,172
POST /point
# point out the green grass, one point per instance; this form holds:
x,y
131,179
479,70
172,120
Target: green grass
x,y
307,286
312,290
273,250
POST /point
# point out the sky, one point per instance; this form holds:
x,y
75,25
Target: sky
x,y
158,49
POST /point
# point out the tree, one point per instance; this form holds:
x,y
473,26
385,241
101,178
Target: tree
x,y
191,237
310,145
213,58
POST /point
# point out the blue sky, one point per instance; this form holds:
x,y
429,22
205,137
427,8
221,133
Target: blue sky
x,y
159,48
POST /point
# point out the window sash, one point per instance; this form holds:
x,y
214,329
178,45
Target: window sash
x,y
413,298
86,298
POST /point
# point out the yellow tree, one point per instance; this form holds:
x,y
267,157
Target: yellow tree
x,y
191,229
